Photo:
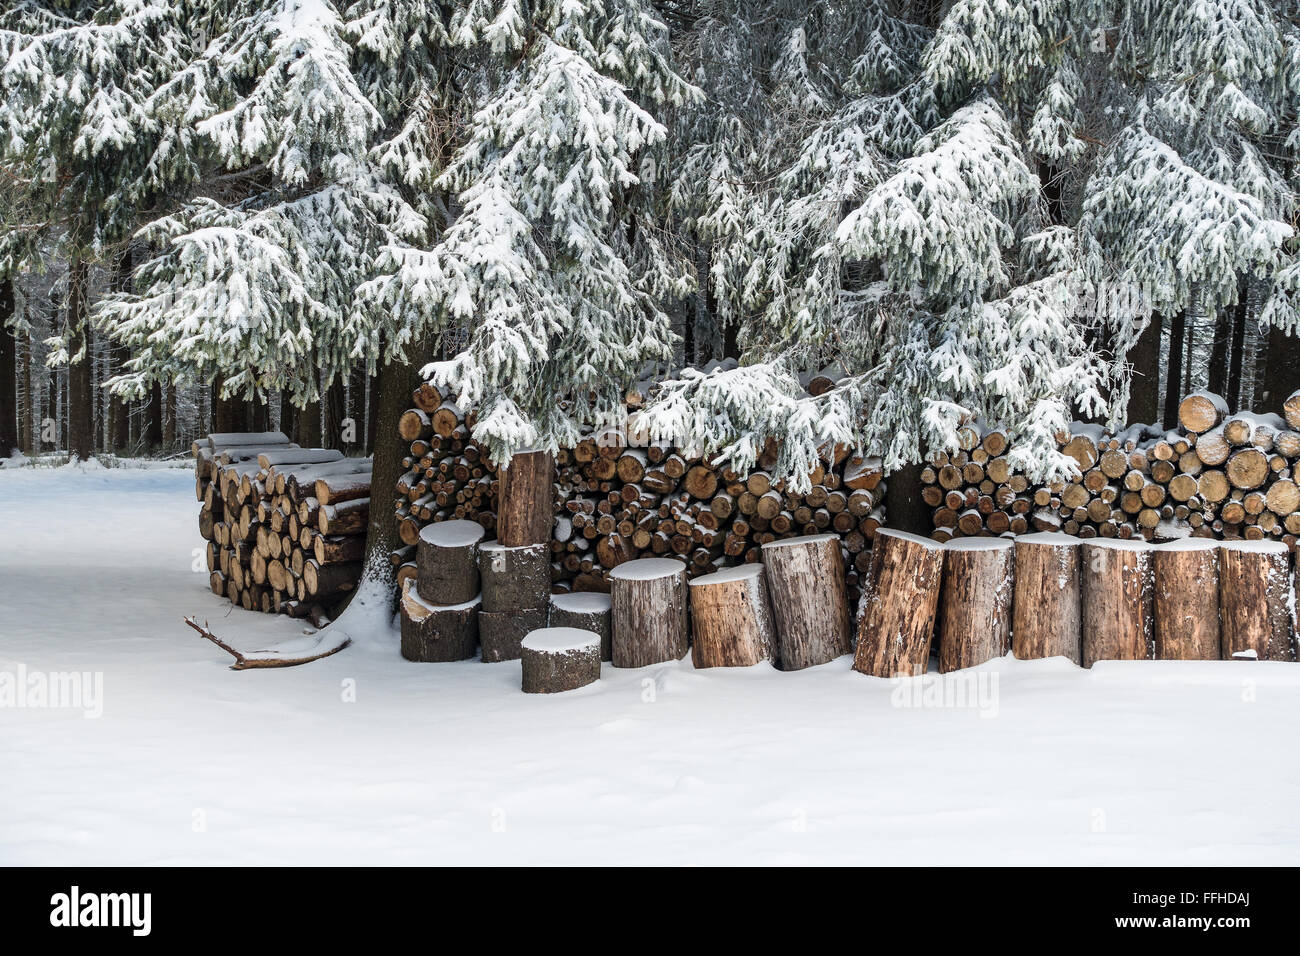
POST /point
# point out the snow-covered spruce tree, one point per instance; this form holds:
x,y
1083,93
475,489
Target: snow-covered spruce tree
x,y
78,141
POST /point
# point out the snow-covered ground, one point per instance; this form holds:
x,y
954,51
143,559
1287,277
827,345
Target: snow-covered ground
x,y
365,758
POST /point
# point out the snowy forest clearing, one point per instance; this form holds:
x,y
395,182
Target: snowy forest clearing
x,y
189,763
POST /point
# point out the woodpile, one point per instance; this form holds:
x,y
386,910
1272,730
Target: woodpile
x,y
1218,475
285,525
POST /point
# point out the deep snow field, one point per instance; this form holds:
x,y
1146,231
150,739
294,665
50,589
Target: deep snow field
x,y
365,758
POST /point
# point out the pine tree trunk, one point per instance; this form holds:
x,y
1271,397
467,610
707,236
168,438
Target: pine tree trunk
x,y
153,434
29,397
81,401
1174,368
8,372
905,508
1144,395
335,412
169,415
307,431
1236,364
51,409
1282,371
288,414
1218,381
372,412
229,414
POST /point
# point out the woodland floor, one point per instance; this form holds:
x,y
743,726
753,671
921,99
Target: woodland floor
x,y
192,763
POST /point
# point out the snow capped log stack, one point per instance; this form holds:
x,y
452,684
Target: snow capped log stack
x,y
1218,475
285,525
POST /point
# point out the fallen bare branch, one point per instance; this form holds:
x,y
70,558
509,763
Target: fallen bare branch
x,y
247,662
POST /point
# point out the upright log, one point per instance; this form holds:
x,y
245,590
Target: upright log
x,y
805,577
556,659
1117,594
648,603
1187,600
898,606
587,611
525,511
514,579
1046,608
1256,595
974,618
731,619
448,561
432,633
500,633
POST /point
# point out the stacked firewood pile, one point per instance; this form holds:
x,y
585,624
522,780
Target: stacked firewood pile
x,y
285,525
1218,475
618,499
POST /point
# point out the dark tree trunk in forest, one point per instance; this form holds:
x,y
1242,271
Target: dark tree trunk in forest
x,y
81,400
288,414
8,372
372,411
1281,373
153,433
1240,315
335,413
119,410
1174,368
905,510
307,431
169,415
229,414
1144,394
51,411
29,397
1218,381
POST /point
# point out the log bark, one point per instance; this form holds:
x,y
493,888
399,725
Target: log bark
x,y
526,506
648,612
1187,600
810,604
1117,601
514,579
1046,609
556,659
447,556
731,618
974,617
1256,598
501,632
437,633
350,517
898,607
586,611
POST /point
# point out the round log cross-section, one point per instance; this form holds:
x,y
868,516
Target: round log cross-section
x,y
1256,597
810,602
1045,617
587,611
448,561
648,603
731,619
898,607
556,659
974,619
1187,600
1117,591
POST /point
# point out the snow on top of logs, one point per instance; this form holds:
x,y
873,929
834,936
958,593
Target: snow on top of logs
x,y
581,602
802,539
452,534
929,543
1055,538
976,544
562,640
1119,544
647,569
495,545
738,572
217,439
1190,544
1089,430
1259,547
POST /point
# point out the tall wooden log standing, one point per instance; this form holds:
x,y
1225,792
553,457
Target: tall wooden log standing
x,y
1256,600
514,579
731,620
436,633
974,617
587,611
448,561
500,633
1046,609
525,510
898,608
810,604
556,659
1117,593
1187,600
649,616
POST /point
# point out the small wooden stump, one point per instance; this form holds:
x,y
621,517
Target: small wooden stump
x,y
500,633
810,603
1255,594
648,606
587,611
1117,594
1187,600
526,502
974,619
514,579
731,619
556,659
448,563
1046,609
898,606
433,633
